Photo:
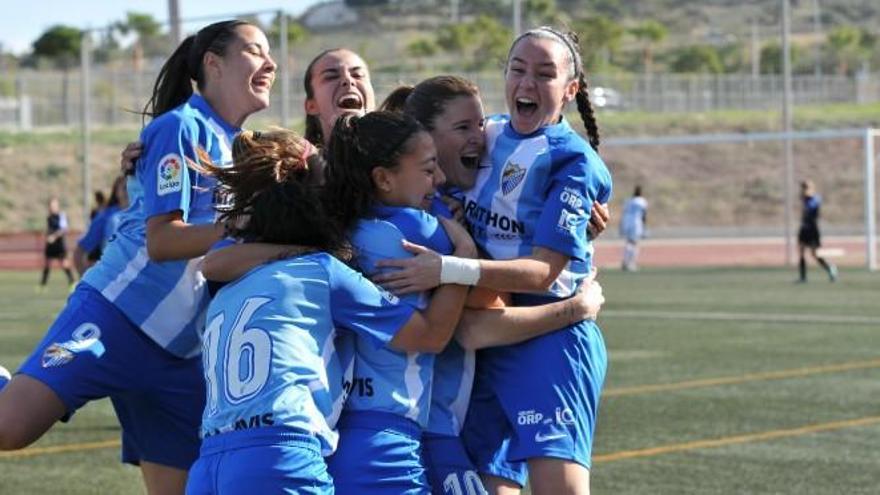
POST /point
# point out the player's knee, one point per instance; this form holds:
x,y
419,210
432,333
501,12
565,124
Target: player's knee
x,y
11,437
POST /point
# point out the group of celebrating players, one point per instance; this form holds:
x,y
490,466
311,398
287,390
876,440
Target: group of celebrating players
x,y
308,315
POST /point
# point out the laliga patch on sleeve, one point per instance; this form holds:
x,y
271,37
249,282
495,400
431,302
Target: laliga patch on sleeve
x,y
170,172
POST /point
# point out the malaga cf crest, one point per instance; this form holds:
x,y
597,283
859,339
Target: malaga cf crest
x,y
511,176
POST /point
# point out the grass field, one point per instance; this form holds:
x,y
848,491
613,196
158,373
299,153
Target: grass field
x,y
721,381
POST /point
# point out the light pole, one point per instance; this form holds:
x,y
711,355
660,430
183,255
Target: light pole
x,y
174,20
786,123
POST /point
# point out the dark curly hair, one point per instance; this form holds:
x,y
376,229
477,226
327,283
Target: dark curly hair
x,y
269,193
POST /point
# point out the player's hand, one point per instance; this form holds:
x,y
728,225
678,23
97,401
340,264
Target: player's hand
x,y
455,207
130,155
416,274
600,216
588,300
461,239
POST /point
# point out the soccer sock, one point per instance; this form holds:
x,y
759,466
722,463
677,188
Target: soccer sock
x,y
45,276
802,266
69,276
824,264
627,254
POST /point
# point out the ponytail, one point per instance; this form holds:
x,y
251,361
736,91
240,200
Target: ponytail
x,y
173,86
357,146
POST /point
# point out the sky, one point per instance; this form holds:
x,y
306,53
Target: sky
x,y
21,26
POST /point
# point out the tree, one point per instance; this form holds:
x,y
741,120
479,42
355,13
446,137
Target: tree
x,y
147,36
61,44
540,12
771,57
697,58
296,32
602,36
649,33
844,43
454,38
421,48
492,41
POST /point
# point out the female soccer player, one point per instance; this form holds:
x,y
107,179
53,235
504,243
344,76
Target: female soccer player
x,y
808,234
131,329
632,228
337,82
103,226
529,210
275,383
56,248
451,109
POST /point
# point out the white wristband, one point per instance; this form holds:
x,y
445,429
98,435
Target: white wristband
x,y
461,271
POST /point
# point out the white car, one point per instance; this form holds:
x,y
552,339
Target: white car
x,y
606,98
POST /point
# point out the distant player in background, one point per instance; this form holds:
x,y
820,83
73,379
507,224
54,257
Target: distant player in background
x,y
632,228
808,235
55,249
91,244
100,204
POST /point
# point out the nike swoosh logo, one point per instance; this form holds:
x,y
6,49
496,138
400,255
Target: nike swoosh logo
x,y
540,438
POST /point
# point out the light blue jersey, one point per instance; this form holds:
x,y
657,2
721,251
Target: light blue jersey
x,y
101,228
453,368
537,191
385,379
165,299
270,353
632,221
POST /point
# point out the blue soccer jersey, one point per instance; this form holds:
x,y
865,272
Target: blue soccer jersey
x,y
165,299
537,191
453,368
533,191
385,379
102,227
270,353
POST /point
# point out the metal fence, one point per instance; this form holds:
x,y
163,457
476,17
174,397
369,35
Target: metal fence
x,y
53,98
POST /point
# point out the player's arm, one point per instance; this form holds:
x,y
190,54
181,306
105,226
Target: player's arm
x,y
169,237
80,260
432,329
492,327
231,262
429,269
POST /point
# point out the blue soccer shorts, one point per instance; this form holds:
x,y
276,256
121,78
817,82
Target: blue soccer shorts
x,y
450,470
262,460
548,392
486,434
93,351
378,454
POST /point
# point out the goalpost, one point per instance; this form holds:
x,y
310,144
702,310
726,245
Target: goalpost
x,y
867,137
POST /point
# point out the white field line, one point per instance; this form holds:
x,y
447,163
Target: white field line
x,y
755,317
